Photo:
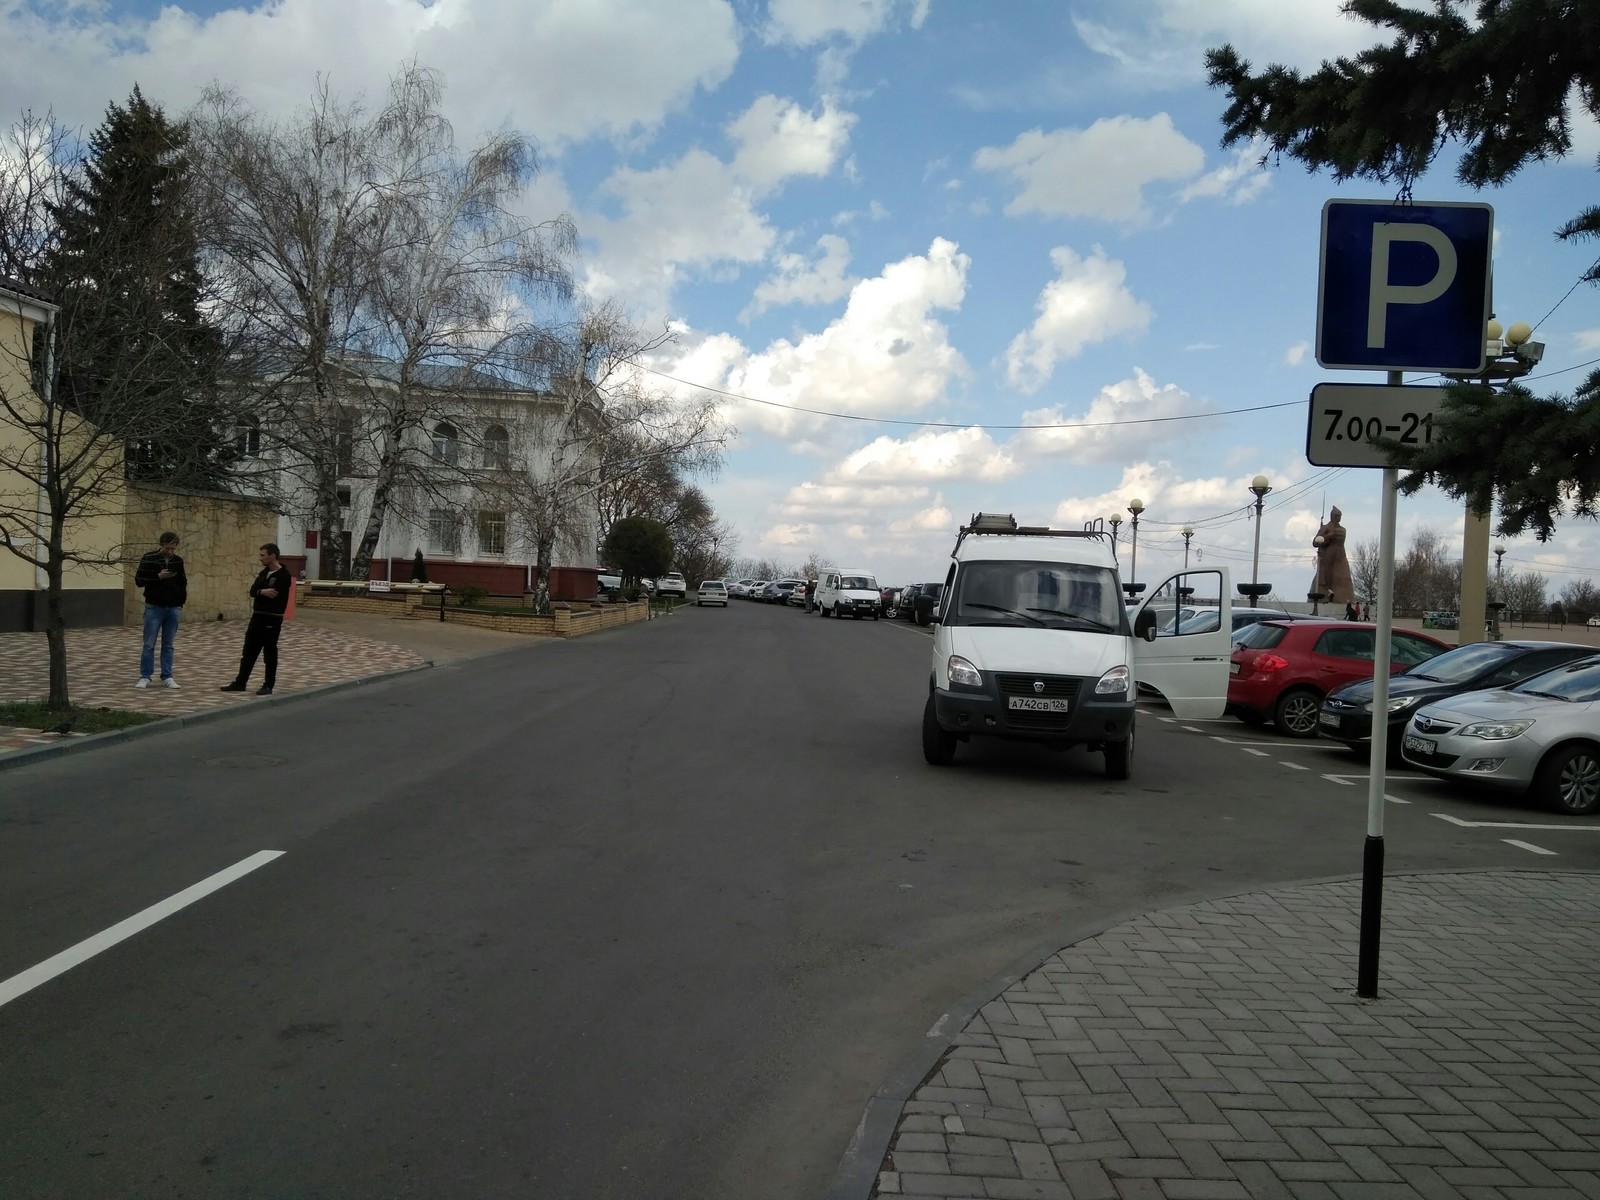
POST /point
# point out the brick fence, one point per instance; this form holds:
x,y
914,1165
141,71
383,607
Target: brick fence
x,y
563,621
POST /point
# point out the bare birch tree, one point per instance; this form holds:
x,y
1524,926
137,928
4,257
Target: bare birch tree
x,y
597,428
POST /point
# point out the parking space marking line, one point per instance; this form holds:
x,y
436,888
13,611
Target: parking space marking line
x,y
55,965
1295,766
1394,799
1257,753
1346,777
1529,846
1192,729
1518,825
1341,780
1281,743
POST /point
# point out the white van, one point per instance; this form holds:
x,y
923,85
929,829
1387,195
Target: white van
x,y
847,592
1032,643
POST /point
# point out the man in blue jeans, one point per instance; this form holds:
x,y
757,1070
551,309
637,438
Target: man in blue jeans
x,y
166,587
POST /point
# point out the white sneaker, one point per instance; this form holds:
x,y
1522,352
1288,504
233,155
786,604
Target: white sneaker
x,y
170,682
143,683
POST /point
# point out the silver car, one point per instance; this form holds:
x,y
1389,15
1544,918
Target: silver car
x,y
1541,736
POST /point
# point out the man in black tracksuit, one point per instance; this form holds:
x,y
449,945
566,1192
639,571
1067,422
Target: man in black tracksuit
x,y
271,592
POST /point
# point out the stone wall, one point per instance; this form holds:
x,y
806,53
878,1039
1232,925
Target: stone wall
x,y
219,537
563,622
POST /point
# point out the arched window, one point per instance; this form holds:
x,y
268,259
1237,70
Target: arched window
x,y
446,443
497,448
247,437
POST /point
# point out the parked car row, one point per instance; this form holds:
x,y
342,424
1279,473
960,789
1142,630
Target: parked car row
x,y
1520,715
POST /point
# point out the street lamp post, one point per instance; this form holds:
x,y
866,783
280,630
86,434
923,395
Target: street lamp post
x,y
1135,506
1260,487
1499,573
1188,532
1115,521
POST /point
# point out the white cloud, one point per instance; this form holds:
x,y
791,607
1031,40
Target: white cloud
x,y
937,519
886,353
807,22
943,456
1096,439
562,70
1236,182
1587,340
698,210
799,280
778,140
1087,302
822,501
1099,172
1296,354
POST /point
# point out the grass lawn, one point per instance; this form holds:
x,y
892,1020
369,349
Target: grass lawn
x,y
34,715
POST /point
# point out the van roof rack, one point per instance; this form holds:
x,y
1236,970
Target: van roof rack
x,y
1006,524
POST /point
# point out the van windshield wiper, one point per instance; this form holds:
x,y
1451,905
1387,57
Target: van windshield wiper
x,y
1078,617
1010,612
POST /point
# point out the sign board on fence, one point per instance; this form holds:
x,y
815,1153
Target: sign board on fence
x,y
1347,419
1403,287
377,585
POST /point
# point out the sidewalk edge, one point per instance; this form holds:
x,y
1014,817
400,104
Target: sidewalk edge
x,y
94,741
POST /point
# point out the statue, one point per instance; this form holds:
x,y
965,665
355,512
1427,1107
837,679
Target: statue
x,y
1333,568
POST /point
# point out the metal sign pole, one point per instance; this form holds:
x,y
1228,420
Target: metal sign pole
x,y
1377,777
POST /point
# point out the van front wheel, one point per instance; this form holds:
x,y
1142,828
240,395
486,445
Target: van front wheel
x,y
938,747
1119,757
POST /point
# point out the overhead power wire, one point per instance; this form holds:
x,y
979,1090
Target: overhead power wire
x,y
819,412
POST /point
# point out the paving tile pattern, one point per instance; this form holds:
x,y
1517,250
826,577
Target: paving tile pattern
x,y
1219,1051
103,666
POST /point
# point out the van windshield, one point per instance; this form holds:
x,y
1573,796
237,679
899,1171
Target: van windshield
x,y
1036,594
859,583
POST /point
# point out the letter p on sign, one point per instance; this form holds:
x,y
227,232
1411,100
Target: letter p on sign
x,y
1403,287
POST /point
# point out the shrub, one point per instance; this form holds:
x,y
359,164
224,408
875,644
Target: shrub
x,y
469,594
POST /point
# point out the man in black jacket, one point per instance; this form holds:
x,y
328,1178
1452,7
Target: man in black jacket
x,y
166,587
271,594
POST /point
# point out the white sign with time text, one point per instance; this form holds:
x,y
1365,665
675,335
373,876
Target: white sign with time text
x,y
1347,419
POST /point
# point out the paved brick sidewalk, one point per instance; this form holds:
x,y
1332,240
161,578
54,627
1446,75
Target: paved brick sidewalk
x,y
1219,1051
104,666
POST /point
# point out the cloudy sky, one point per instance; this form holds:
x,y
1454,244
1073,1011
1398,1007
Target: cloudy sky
x,y
942,256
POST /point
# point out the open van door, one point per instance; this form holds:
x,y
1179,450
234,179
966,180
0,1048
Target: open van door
x,y
1187,661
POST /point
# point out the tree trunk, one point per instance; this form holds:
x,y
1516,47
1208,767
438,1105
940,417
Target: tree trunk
x,y
361,562
55,626
330,555
545,549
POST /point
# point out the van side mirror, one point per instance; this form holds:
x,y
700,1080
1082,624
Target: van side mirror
x,y
1145,626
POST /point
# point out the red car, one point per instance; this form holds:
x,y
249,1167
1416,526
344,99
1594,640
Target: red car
x,y
1282,669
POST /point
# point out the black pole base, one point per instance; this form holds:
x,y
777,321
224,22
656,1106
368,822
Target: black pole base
x,y
1371,918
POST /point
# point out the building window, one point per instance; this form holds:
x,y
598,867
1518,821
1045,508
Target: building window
x,y
247,437
446,443
344,442
492,534
496,448
443,534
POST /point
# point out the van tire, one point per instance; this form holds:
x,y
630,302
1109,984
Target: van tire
x,y
938,747
1119,757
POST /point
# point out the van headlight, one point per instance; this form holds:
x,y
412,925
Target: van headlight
x,y
1113,683
963,672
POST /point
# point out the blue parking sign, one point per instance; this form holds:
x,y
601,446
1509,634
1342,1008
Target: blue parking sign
x,y
1403,287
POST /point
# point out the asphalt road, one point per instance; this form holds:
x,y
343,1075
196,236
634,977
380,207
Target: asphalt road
x,y
647,914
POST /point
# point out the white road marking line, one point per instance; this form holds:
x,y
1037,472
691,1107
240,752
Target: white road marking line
x,y
1528,846
1341,780
1295,766
1394,799
1517,825
1192,729
1347,777
1281,743
1257,753
18,985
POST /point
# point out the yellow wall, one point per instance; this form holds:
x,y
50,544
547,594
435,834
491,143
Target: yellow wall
x,y
218,537
98,529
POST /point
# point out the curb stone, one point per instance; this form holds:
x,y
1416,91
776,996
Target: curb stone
x,y
93,741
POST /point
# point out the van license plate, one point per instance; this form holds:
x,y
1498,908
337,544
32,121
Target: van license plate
x,y
1038,704
1420,745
